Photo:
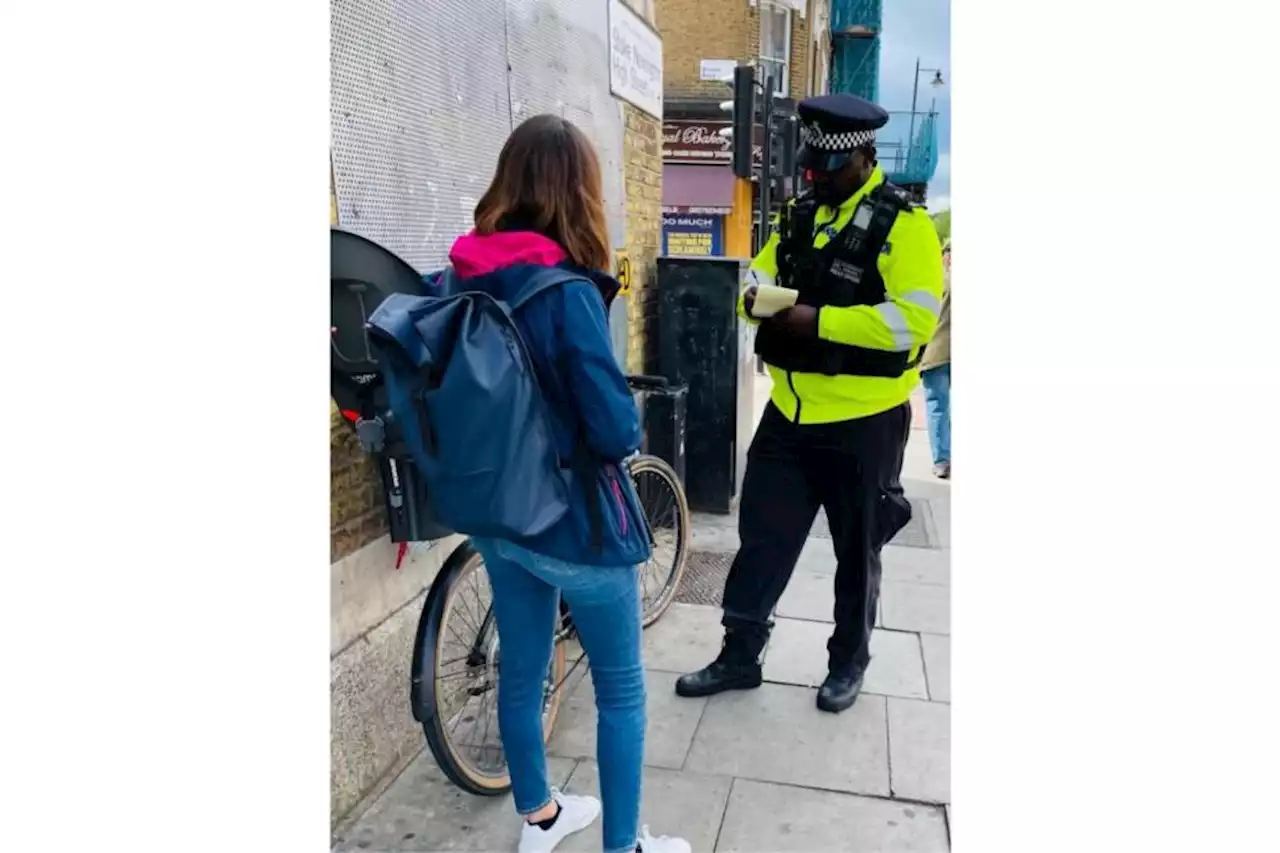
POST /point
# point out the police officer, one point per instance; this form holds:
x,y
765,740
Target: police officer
x,y
868,267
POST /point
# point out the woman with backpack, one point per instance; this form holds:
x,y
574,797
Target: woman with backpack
x,y
545,208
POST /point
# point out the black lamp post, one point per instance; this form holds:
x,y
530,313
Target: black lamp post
x,y
937,83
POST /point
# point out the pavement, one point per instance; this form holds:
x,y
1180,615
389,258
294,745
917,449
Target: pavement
x,y
760,771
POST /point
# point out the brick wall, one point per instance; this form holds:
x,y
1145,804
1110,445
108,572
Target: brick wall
x,y
642,182
642,177
356,515
693,30
800,44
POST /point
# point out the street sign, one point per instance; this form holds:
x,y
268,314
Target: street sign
x,y
717,69
635,59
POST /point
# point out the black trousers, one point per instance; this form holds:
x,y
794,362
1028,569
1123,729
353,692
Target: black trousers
x,y
852,470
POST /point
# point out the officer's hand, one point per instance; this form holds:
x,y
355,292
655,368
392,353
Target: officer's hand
x,y
749,300
799,320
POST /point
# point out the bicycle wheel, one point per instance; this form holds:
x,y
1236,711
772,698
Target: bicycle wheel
x,y
456,666
666,511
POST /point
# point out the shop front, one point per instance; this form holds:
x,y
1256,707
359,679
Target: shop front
x,y
697,187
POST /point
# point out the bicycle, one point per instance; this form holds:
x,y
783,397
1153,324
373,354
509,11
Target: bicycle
x,y
456,656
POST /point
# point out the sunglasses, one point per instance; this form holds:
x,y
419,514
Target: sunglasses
x,y
817,160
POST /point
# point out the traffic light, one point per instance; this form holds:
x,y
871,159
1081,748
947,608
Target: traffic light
x,y
744,111
789,130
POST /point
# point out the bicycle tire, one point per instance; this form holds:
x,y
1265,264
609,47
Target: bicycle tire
x,y
425,696
645,463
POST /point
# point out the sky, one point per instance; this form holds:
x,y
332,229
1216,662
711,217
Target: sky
x,y
920,29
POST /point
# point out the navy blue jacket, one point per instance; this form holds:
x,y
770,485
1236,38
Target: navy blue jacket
x,y
566,330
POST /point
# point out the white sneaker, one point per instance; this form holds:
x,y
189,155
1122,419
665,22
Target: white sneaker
x,y
576,814
662,844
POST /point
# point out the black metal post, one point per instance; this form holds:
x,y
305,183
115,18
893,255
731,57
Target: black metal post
x,y
766,172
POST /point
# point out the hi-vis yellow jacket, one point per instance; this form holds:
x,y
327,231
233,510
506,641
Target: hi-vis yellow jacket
x,y
911,268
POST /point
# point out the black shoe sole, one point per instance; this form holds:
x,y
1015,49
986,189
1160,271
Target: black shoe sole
x,y
745,683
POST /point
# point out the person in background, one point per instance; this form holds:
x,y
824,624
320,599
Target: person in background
x,y
545,208
935,376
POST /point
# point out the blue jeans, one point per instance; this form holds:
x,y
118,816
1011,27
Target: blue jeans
x,y
605,603
937,403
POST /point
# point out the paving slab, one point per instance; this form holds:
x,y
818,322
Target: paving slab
x,y
722,540
921,607
941,517
899,562
668,735
775,733
937,665
809,595
768,818
423,811
920,750
817,556
797,654
671,803
916,565
686,638
897,666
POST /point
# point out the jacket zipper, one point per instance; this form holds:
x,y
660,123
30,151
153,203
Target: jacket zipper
x,y
791,383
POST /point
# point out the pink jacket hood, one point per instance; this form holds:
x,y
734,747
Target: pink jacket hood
x,y
476,255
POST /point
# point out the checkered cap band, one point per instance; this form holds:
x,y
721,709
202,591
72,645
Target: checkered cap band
x,y
847,141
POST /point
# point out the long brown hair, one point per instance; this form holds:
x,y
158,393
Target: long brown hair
x,y
548,181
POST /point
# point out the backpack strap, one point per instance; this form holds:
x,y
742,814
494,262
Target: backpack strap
x,y
543,279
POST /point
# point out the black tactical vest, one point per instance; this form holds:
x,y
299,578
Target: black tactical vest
x,y
842,273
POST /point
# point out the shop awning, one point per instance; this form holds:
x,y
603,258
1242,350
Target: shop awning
x,y
697,189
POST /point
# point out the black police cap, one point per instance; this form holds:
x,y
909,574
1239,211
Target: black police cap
x,y
840,122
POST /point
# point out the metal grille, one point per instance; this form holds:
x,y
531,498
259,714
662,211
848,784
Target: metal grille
x,y
704,576
423,95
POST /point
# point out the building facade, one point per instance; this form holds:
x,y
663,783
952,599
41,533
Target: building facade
x,y
703,205
423,96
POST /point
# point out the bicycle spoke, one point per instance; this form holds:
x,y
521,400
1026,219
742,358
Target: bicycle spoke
x,y
474,615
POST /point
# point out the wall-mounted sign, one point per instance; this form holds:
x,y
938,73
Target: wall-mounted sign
x,y
700,142
717,69
622,272
688,234
697,211
635,59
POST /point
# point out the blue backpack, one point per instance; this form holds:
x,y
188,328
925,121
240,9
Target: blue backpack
x,y
462,391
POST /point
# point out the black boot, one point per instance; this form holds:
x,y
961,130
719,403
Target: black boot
x,y
840,690
736,668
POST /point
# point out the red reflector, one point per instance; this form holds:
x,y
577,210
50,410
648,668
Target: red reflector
x,y
350,415
808,174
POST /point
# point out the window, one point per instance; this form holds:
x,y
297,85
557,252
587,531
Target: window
x,y
775,45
